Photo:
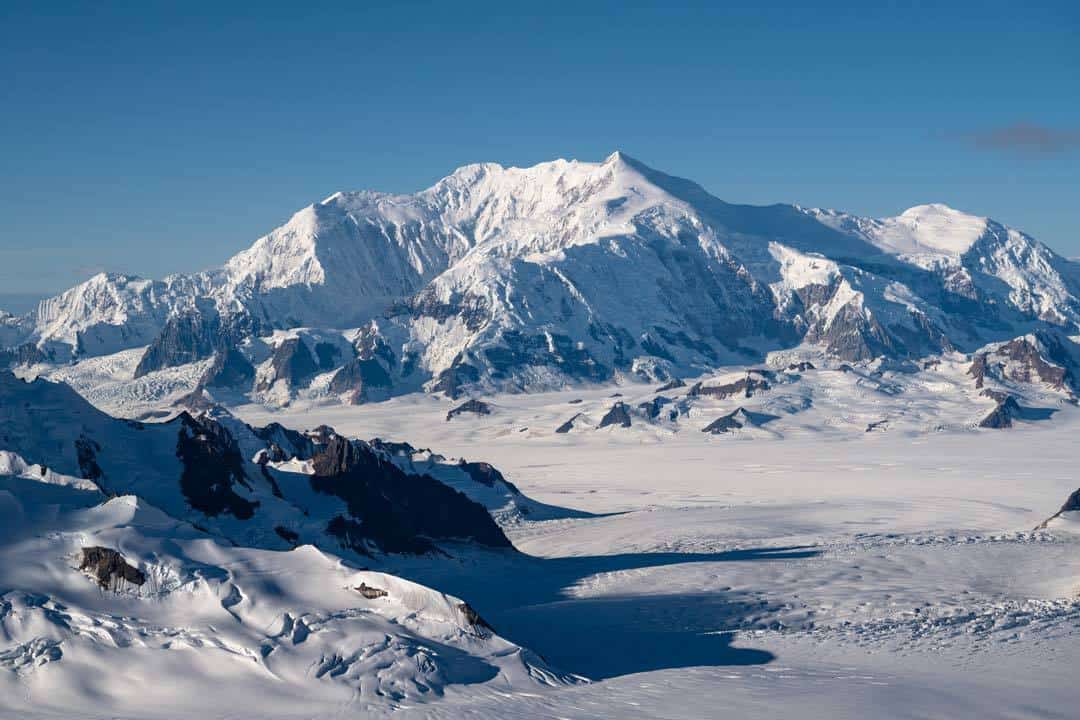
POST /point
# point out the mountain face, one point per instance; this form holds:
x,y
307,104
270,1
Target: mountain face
x,y
523,279
268,487
198,548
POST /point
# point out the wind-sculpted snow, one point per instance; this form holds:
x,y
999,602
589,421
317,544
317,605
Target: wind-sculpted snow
x,y
527,279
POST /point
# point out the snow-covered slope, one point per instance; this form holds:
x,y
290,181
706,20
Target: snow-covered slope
x,y
201,549
566,272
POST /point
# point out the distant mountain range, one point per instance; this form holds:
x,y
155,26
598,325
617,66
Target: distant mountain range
x,y
517,279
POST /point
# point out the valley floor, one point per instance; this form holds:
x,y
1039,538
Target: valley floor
x,y
879,575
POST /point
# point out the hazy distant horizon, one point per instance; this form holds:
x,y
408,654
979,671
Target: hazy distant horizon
x,y
22,303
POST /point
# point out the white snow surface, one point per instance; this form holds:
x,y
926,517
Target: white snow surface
x,y
816,571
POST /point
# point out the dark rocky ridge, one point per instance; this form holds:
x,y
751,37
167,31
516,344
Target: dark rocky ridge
x,y
292,361
754,382
619,414
476,407
213,467
363,379
486,474
1072,504
229,369
737,419
109,568
393,511
568,425
193,336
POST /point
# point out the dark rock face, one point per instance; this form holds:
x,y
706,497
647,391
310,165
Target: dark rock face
x,y
672,384
369,344
292,362
193,336
855,335
1072,504
1030,363
567,426
394,511
801,366
328,355
472,309
1002,416
453,379
369,592
544,350
394,449
213,466
486,474
477,407
290,443
109,568
474,620
184,339
652,408
362,379
724,424
737,419
229,369
1021,360
196,401
978,370
748,386
86,452
619,414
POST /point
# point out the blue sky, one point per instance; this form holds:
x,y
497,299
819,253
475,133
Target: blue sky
x,y
156,139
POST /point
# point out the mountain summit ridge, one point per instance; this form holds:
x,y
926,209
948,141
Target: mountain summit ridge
x,y
570,271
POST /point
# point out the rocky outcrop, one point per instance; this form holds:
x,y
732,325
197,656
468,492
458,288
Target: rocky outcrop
x,y
212,468
1038,358
109,568
229,369
192,336
86,451
486,474
737,419
369,592
291,362
753,383
801,366
453,380
559,352
619,415
473,620
289,443
475,407
363,380
652,408
1003,415
568,425
1072,504
392,511
978,370
673,384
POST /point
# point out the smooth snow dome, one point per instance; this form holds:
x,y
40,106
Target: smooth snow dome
x,y
924,229
930,228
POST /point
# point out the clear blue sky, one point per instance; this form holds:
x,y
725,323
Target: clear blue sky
x,y
155,139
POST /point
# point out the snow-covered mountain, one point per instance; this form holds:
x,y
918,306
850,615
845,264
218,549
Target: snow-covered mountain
x,y
565,272
229,549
